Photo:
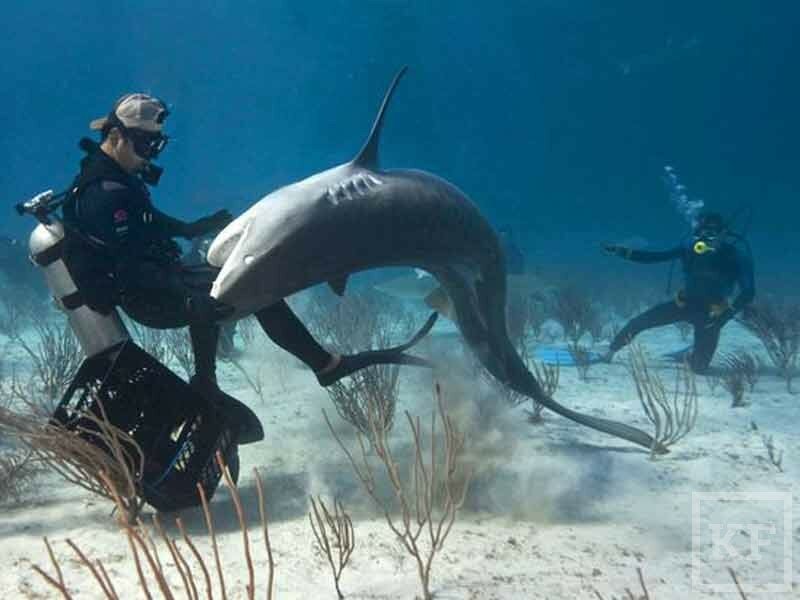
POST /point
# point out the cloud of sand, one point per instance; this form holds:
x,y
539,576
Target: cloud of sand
x,y
515,472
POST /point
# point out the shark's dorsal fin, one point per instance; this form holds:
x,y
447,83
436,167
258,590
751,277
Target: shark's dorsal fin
x,y
368,156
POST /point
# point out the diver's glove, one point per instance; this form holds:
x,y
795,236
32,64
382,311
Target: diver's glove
x,y
209,224
205,309
616,250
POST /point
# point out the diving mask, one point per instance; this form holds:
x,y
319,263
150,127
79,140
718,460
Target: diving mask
x,y
147,145
709,233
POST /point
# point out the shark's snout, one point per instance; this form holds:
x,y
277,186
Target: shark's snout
x,y
229,252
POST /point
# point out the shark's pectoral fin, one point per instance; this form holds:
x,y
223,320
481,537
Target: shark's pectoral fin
x,y
338,285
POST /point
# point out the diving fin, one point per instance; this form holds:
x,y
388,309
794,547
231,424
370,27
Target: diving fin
x,y
350,363
235,411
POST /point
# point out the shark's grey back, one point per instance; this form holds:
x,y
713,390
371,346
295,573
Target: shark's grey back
x,y
412,216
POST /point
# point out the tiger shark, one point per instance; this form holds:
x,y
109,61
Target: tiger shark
x,y
357,216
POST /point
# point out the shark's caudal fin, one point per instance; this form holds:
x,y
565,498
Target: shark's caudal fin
x,y
368,156
620,430
527,384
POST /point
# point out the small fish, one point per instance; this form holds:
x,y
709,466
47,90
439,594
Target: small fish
x,y
416,286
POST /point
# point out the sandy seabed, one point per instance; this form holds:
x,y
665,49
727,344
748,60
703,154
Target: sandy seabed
x,y
553,511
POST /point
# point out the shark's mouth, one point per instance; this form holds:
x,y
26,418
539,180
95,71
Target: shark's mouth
x,y
227,241
226,252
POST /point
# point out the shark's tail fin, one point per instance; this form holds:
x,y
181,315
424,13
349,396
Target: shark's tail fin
x,y
524,382
620,430
368,156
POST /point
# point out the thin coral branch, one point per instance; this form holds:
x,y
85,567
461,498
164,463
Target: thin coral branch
x,y
262,511
145,550
237,503
673,415
106,578
92,569
179,565
256,382
641,583
56,356
775,456
428,511
739,370
341,530
58,584
198,557
80,455
18,471
212,533
573,310
738,585
777,325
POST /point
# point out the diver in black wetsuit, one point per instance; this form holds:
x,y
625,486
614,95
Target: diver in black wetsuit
x,y
713,266
122,250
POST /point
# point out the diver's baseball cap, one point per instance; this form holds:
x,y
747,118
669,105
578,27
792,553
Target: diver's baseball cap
x,y
135,111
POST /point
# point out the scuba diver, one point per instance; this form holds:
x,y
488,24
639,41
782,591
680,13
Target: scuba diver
x,y
122,252
714,264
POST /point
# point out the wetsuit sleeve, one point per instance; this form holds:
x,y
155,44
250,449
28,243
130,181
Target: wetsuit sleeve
x,y
123,218
746,281
171,226
653,256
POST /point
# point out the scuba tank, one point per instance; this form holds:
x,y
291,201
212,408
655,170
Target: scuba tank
x,y
95,331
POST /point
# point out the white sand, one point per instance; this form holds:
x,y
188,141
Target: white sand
x,y
554,510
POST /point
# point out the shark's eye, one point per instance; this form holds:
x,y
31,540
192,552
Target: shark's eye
x,y
248,259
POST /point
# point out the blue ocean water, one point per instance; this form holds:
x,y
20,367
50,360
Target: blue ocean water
x,y
556,117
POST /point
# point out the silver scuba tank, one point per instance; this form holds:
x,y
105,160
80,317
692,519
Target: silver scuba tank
x,y
95,331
